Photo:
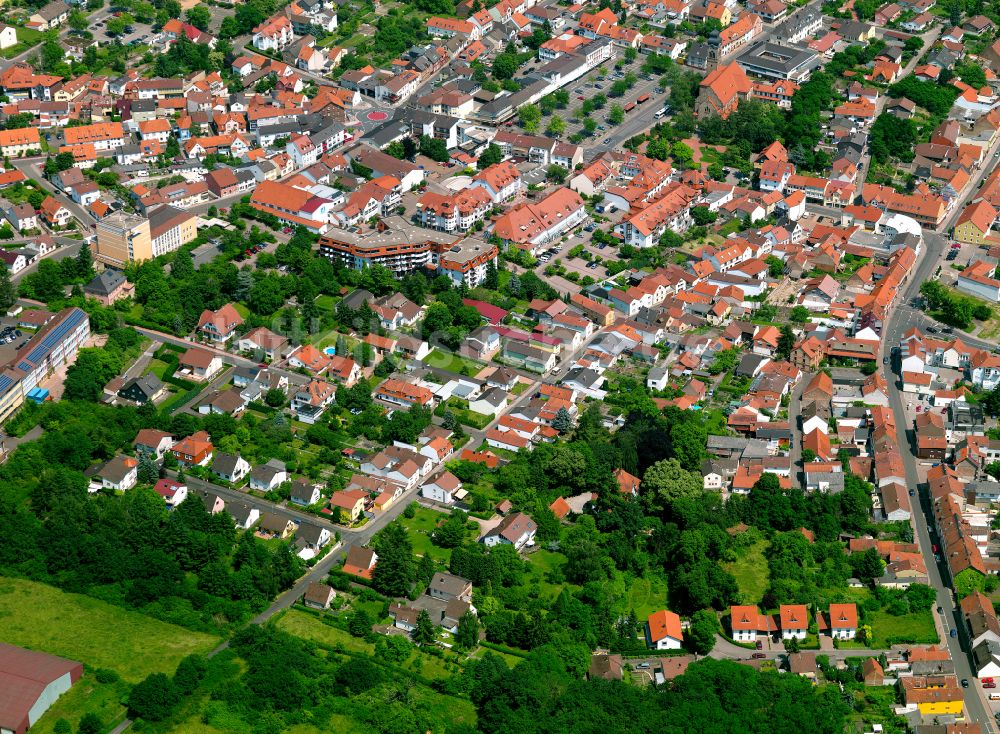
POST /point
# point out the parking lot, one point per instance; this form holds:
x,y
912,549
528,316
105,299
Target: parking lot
x,y
135,34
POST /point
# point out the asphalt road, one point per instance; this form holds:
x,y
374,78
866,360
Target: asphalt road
x,y
900,321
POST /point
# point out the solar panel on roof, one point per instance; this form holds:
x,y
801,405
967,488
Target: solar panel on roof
x,y
56,335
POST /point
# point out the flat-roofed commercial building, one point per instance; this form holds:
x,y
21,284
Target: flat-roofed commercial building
x,y
773,61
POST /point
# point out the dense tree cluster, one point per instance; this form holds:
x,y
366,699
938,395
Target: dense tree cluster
x,y
185,566
542,695
955,309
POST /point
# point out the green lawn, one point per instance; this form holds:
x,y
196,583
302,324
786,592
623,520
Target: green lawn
x,y
453,363
325,302
915,628
157,367
540,563
646,595
751,572
421,526
94,632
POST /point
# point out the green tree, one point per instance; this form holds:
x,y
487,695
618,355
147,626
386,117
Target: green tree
x,y
90,723
504,66
394,573
467,634
434,148
148,471
701,634
359,624
667,482
786,342
78,20
556,173
199,16
528,116
491,155
702,215
424,634
556,126
775,266
799,315
8,293
563,421
153,698
190,672
616,115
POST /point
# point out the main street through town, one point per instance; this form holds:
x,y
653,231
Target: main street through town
x,y
901,320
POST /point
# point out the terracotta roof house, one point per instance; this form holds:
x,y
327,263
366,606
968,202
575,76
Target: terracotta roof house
x,y
841,622
219,326
360,562
663,631
794,619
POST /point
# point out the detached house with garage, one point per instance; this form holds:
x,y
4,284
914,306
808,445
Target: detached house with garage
x,y
119,474
747,623
794,621
219,326
516,529
230,467
443,488
663,631
841,623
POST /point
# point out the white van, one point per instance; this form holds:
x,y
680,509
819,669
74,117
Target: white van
x,y
994,696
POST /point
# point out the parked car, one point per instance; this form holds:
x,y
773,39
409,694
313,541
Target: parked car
x,y
965,681
989,685
912,493
954,632
760,645
758,655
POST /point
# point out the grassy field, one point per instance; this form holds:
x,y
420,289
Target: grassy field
x,y
646,595
41,617
304,625
157,367
915,628
751,573
325,303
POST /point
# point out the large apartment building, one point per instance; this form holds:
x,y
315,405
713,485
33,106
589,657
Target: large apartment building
x,y
123,238
394,243
169,228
